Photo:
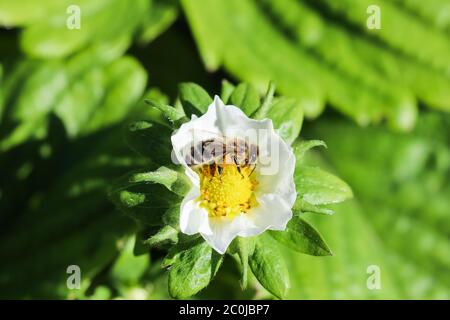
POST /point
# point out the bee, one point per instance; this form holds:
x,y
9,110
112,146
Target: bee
x,y
220,150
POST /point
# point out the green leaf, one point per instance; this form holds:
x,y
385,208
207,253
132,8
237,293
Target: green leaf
x,y
167,234
139,247
38,95
146,203
175,251
301,147
431,12
362,63
150,140
122,96
402,218
396,18
246,97
128,268
15,79
227,91
268,266
174,181
362,77
302,237
286,113
148,197
307,207
195,99
46,33
160,16
261,113
318,187
243,247
2,93
86,229
221,42
287,116
153,114
175,116
131,199
172,217
89,86
78,91
192,270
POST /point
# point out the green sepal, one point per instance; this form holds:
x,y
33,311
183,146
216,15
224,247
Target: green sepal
x,y
172,216
246,97
151,140
268,266
262,111
139,247
173,115
166,235
192,270
318,187
194,98
173,180
241,248
301,147
303,206
227,90
287,117
147,196
302,237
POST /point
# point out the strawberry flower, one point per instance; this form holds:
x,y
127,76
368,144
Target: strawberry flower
x,y
230,197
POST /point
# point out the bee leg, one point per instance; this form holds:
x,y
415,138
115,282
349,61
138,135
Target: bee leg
x,y
237,166
212,170
220,170
254,167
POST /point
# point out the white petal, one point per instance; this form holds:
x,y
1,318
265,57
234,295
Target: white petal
x,y
232,121
224,230
193,218
272,213
282,182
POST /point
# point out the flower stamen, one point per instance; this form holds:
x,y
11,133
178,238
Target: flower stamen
x,y
226,190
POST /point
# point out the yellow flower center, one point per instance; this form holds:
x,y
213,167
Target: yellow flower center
x,y
227,190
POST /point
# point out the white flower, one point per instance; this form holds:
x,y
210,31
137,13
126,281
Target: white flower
x,y
234,197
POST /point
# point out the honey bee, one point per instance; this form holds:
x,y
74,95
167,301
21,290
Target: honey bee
x,y
221,150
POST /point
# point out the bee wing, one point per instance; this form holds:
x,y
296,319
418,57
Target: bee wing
x,y
193,154
204,152
211,149
253,153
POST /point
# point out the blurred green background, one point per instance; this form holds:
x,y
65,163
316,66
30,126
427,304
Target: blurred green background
x,y
379,98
